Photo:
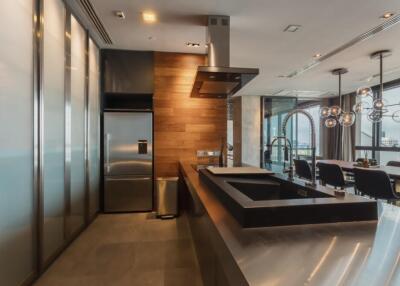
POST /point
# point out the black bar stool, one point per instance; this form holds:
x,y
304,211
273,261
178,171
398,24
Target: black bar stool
x,y
375,183
333,175
302,169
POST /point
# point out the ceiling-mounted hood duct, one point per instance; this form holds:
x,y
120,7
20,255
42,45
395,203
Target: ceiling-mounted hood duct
x,y
218,79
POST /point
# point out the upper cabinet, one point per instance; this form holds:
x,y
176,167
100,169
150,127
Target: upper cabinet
x,y
128,72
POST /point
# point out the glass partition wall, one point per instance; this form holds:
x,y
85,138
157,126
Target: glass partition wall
x,y
17,214
93,125
53,128
76,118
49,135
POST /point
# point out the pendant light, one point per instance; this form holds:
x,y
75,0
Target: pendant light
x,y
337,113
379,105
346,118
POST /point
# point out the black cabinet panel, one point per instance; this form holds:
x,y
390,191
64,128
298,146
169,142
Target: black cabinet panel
x,y
128,72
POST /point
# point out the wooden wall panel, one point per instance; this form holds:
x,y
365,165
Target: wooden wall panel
x,y
182,124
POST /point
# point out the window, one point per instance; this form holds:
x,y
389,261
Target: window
x,y
298,131
380,141
365,127
303,142
275,109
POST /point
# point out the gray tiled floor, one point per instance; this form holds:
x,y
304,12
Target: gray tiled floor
x,y
128,249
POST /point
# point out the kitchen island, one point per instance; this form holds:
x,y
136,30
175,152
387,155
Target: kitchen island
x,y
345,253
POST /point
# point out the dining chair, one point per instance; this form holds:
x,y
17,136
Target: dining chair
x,y
302,169
332,174
375,184
393,164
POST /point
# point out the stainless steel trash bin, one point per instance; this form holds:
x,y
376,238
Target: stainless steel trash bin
x,y
167,197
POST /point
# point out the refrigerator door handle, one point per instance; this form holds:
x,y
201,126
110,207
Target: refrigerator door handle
x,y
108,152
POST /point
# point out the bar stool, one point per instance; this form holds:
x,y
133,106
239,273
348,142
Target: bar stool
x,y
302,169
333,175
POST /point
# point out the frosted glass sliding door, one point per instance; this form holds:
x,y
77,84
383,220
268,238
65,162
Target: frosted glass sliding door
x,y
16,142
94,128
53,122
75,216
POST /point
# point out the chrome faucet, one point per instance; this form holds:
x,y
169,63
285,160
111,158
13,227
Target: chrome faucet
x,y
309,117
288,154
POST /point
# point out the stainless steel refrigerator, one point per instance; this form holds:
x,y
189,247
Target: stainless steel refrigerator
x,y
128,161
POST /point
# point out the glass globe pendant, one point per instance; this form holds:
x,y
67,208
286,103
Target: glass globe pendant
x,y
347,119
335,110
364,92
330,122
361,107
379,103
324,112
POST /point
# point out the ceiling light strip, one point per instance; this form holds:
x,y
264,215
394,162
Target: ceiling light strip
x,y
88,8
360,38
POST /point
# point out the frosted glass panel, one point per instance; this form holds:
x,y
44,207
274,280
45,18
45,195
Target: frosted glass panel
x,y
16,142
53,126
77,198
94,136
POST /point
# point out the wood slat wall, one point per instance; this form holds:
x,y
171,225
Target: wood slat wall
x,y
182,124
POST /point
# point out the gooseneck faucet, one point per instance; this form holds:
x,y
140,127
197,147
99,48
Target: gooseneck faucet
x,y
288,154
309,117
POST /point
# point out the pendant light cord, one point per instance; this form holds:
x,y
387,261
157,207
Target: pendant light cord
x,y
381,74
340,90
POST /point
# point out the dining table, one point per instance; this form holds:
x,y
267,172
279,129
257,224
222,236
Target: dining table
x,y
393,172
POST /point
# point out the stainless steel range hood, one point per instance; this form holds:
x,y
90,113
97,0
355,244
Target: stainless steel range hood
x,y
218,79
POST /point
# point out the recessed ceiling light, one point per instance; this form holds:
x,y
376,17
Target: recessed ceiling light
x,y
149,17
192,45
387,15
119,14
292,28
317,55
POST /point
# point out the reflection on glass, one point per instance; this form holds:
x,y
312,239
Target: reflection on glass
x,y
75,218
94,136
16,137
53,127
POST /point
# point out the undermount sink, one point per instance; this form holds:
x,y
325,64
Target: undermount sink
x,y
265,192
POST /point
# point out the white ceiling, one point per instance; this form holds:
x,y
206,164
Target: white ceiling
x,y
258,40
